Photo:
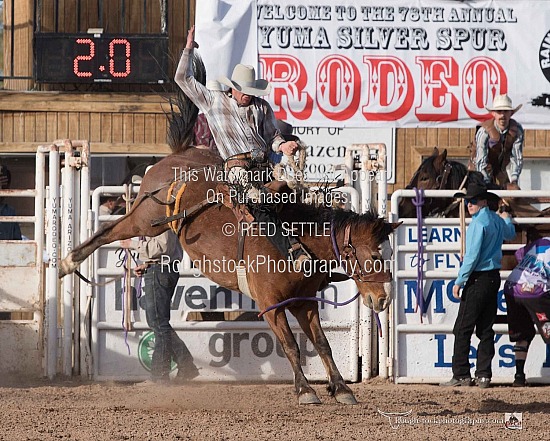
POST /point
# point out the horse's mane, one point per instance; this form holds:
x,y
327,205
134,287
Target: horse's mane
x,y
340,218
457,174
183,113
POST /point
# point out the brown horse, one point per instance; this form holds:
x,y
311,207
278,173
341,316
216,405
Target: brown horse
x,y
331,236
437,172
203,235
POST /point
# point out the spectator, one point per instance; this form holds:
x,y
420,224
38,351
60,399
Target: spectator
x,y
527,293
108,204
160,280
480,277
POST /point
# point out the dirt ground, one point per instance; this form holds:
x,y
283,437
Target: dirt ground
x,y
198,411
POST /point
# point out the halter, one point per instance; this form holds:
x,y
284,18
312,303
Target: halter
x,y
349,255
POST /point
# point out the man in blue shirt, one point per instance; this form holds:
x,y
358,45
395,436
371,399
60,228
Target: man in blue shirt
x,y
479,277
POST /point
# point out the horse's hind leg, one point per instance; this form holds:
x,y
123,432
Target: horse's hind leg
x,y
279,324
307,314
135,223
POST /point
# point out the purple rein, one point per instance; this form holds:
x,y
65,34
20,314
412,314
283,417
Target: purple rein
x,y
336,251
418,202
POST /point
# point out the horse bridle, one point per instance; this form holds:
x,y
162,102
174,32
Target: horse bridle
x,y
442,181
444,176
349,256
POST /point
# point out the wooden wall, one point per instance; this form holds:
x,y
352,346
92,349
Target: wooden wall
x,y
22,41
114,118
113,123
134,122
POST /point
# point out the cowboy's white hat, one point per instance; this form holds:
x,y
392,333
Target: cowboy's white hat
x,y
503,102
244,80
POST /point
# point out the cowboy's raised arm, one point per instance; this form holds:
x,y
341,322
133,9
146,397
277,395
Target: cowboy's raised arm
x,y
185,77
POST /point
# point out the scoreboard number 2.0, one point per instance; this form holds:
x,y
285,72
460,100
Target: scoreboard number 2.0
x,y
101,58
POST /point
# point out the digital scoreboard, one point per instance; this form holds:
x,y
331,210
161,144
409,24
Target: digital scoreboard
x,y
100,58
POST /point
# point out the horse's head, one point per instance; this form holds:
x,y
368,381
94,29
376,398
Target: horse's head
x,y
435,173
432,173
366,257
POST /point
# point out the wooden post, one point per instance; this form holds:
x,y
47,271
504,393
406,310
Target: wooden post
x,y
22,34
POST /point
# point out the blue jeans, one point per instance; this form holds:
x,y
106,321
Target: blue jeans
x,y
158,290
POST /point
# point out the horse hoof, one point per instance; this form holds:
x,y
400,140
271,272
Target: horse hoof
x,y
63,270
346,399
65,267
308,398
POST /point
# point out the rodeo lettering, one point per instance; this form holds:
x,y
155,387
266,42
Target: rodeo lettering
x,y
373,84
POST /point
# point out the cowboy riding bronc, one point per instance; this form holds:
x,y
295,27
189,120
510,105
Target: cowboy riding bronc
x,y
244,128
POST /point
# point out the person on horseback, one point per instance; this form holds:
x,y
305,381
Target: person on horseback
x,y
499,143
244,129
201,130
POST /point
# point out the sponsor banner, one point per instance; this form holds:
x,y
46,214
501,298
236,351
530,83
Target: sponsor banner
x,y
223,350
201,295
429,356
424,353
440,305
394,63
222,353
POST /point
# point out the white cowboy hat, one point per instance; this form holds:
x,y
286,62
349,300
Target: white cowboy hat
x,y
503,102
244,80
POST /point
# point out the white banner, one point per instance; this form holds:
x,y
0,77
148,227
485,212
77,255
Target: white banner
x,y
401,63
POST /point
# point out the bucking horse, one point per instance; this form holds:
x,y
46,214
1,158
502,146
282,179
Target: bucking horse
x,y
174,193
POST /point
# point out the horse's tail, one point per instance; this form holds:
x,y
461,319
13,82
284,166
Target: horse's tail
x,y
183,113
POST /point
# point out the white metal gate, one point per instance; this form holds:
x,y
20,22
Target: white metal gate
x,y
235,350
422,348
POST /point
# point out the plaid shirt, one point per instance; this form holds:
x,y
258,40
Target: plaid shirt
x,y
235,129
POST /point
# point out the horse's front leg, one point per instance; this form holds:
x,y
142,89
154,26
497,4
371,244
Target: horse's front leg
x,y
279,324
307,314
